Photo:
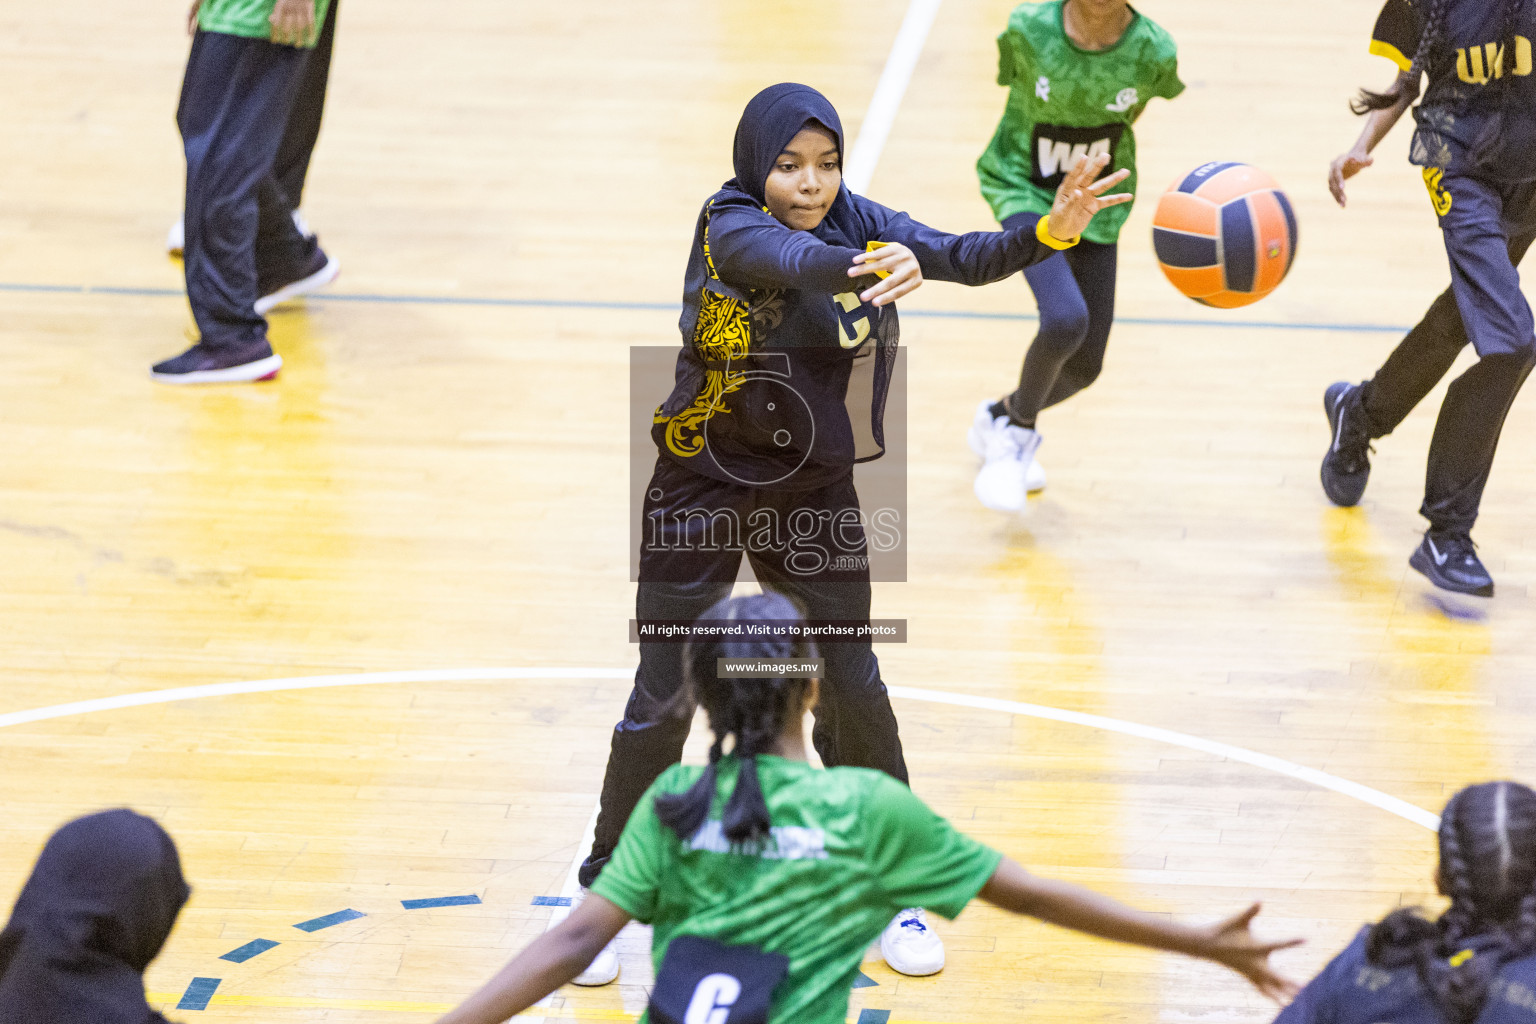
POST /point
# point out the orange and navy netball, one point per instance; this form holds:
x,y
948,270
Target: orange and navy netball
x,y
1224,234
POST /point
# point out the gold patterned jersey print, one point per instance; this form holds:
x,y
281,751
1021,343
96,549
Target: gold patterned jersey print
x,y
723,335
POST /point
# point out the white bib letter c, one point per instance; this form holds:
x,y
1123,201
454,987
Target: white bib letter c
x,y
712,1000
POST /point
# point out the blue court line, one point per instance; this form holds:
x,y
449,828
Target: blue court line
x,y
874,1016
340,917
255,947
863,980
440,901
551,901
670,307
198,994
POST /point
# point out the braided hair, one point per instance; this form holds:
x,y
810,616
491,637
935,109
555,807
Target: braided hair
x,y
753,712
1488,869
1407,84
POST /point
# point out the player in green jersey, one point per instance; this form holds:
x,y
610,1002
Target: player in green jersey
x,y
1079,73
765,880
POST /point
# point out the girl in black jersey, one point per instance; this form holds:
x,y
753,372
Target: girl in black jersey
x,y
1476,143
1476,961
789,330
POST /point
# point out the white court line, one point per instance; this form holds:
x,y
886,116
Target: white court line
x,y
1365,794
859,167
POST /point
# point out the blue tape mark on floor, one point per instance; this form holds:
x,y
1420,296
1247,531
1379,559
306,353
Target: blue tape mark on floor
x,y
551,901
440,901
340,917
255,947
672,307
198,994
874,1016
864,981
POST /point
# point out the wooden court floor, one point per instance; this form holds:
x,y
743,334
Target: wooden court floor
x,y
436,484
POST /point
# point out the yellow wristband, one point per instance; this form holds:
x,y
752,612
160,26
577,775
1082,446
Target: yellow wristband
x,y
871,247
1043,232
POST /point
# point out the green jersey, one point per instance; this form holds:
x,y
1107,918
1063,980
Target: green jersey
x,y
1065,102
850,848
250,18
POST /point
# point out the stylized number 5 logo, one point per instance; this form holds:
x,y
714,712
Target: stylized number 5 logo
x,y
712,1000
799,428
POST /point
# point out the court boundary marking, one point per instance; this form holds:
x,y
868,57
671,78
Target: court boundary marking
x,y
491,301
880,116
544,1010
1312,776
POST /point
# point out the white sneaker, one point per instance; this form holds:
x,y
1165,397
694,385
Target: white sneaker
x,y
1010,470
910,947
605,968
176,238
303,286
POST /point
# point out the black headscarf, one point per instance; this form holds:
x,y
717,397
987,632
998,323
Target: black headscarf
x,y
771,121
98,907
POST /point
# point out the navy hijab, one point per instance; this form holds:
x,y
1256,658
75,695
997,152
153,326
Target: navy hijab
x,y
770,122
97,909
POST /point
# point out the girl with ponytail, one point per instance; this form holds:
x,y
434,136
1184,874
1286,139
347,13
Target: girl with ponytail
x,y
1476,146
1476,962
765,880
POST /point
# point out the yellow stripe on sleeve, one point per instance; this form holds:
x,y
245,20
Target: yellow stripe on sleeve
x,y
1392,53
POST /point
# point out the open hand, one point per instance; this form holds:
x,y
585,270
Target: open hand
x,y
1344,167
1080,197
292,21
1233,944
899,266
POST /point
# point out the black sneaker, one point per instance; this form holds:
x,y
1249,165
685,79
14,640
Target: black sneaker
x,y
321,271
1347,466
1450,562
203,364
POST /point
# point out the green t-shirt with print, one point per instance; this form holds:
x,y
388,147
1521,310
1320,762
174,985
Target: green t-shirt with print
x,y
850,848
250,18
1065,102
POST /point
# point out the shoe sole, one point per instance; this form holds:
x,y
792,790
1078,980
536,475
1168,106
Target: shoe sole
x,y
588,981
261,369
1425,566
919,972
303,286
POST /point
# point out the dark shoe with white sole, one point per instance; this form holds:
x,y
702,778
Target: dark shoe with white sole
x,y
223,364
1450,562
1347,466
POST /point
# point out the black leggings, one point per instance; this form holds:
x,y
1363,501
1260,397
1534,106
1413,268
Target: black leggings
x,y
1487,232
1075,293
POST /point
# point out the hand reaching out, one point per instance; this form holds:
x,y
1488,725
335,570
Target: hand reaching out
x,y
1344,167
896,264
1234,945
1080,197
292,21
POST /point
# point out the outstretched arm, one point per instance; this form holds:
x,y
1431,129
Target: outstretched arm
x,y
1347,165
982,257
552,960
1227,942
